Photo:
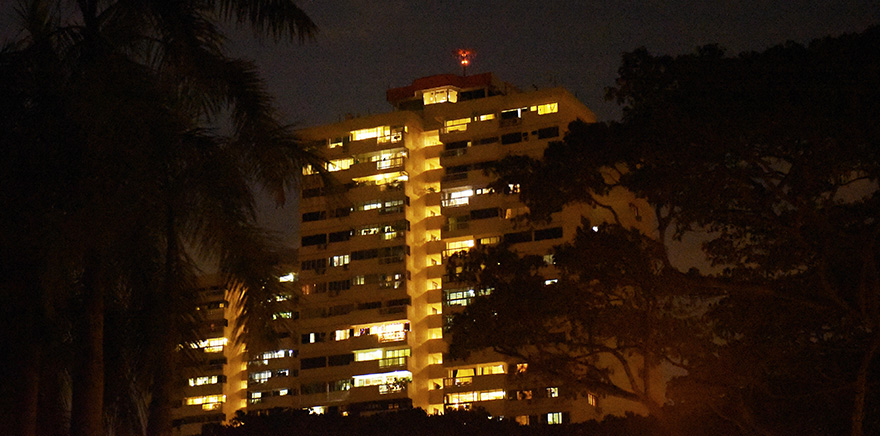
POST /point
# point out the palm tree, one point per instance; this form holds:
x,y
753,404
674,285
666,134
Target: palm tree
x,y
130,87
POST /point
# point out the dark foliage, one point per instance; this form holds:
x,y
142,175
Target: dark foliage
x,y
772,161
415,422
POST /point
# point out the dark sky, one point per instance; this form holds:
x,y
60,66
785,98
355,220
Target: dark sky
x,y
365,47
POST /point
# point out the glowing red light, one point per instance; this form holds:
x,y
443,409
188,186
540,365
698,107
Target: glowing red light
x,y
465,55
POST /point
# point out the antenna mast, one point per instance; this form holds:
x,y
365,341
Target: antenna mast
x,y
464,56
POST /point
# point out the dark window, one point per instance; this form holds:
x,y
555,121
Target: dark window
x,y
472,95
340,359
458,169
513,238
314,337
339,285
509,115
456,145
370,305
340,236
548,132
398,302
314,264
341,309
365,254
479,214
314,240
313,362
313,388
511,138
552,233
314,216
341,212
484,141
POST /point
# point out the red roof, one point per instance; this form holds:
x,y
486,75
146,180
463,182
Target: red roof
x,y
395,95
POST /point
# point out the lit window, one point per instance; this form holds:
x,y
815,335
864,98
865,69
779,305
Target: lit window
x,y
491,240
442,95
385,164
375,132
388,332
289,277
335,142
455,247
208,402
339,164
370,205
522,419
364,355
486,117
340,260
204,380
461,397
261,377
282,315
483,191
515,212
554,418
548,108
385,378
341,335
277,354
432,138
550,281
591,400
552,392
497,394
492,369
456,198
213,345
382,179
457,125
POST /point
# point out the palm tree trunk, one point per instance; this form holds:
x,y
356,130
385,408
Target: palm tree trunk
x,y
159,422
30,401
861,385
88,375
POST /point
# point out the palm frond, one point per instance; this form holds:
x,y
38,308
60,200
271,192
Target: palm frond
x,y
275,18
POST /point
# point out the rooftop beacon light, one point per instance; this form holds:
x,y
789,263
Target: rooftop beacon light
x,y
464,56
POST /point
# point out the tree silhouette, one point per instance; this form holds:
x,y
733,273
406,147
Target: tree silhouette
x,y
117,176
770,160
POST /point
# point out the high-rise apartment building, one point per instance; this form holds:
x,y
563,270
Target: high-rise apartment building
x,y
213,370
406,190
362,330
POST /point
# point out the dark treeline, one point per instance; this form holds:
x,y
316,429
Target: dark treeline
x,y
770,161
415,422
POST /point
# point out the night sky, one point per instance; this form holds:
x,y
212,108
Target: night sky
x,y
365,47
